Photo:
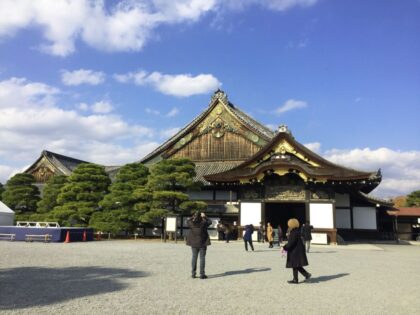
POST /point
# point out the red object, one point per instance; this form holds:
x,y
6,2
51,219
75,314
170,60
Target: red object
x,y
67,237
84,239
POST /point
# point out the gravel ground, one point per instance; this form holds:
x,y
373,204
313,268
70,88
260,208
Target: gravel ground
x,y
150,277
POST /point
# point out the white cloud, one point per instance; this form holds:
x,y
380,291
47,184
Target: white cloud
x,y
180,85
17,92
152,111
82,76
125,25
290,105
83,106
173,112
400,169
167,133
38,124
283,5
102,107
313,146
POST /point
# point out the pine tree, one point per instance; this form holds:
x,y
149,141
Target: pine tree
x,y
1,190
118,212
413,199
49,197
21,195
165,192
80,197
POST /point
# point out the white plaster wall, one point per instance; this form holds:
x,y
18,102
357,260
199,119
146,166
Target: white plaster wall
x,y
342,219
364,218
250,213
342,200
321,215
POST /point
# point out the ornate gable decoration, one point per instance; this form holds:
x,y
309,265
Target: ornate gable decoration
x,y
43,170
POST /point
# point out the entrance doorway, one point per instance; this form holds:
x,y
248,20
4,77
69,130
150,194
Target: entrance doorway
x,y
280,213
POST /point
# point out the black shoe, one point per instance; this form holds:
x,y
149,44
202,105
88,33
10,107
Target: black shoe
x,y
308,276
193,276
203,277
294,281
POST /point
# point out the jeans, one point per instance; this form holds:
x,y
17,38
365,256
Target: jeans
x,y
195,252
250,244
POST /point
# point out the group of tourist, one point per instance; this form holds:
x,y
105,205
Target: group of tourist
x,y
298,239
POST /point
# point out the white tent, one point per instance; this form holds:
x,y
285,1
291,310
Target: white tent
x,y
7,215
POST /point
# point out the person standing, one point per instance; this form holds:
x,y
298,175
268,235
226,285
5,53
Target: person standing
x,y
261,233
280,233
198,238
249,229
296,256
307,235
227,230
220,233
270,237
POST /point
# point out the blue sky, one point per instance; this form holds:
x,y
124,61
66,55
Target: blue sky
x,y
109,81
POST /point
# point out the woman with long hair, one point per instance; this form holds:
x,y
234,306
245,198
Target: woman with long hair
x,y
296,255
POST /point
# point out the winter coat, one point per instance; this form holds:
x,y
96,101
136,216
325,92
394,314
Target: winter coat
x,y
249,229
198,236
270,237
306,232
296,254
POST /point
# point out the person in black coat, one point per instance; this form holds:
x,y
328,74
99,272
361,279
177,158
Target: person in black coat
x,y
296,256
198,238
249,229
307,235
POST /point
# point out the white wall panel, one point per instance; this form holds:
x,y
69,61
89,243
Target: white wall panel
x,y
250,213
321,215
342,219
364,218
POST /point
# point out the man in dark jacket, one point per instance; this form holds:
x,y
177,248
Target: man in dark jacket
x,y
198,238
307,235
296,256
249,229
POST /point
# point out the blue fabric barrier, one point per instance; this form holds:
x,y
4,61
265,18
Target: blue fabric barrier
x,y
57,234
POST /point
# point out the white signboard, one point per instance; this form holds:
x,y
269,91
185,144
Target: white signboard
x,y
171,224
321,215
250,213
319,238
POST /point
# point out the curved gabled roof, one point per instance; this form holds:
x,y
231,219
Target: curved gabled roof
x,y
218,97
285,153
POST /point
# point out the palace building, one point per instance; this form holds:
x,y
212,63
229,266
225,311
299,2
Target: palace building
x,y
251,174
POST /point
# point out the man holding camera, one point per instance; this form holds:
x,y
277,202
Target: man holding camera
x,y
198,238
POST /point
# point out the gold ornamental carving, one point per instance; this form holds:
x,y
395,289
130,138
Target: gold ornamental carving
x,y
285,193
42,174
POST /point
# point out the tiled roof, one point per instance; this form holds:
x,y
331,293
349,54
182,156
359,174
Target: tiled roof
x,y
406,212
206,168
61,160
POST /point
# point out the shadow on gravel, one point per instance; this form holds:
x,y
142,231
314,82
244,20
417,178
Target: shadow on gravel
x,y
37,286
327,252
326,278
239,272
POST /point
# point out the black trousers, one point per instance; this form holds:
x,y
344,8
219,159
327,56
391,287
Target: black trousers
x,y
301,270
250,244
195,252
